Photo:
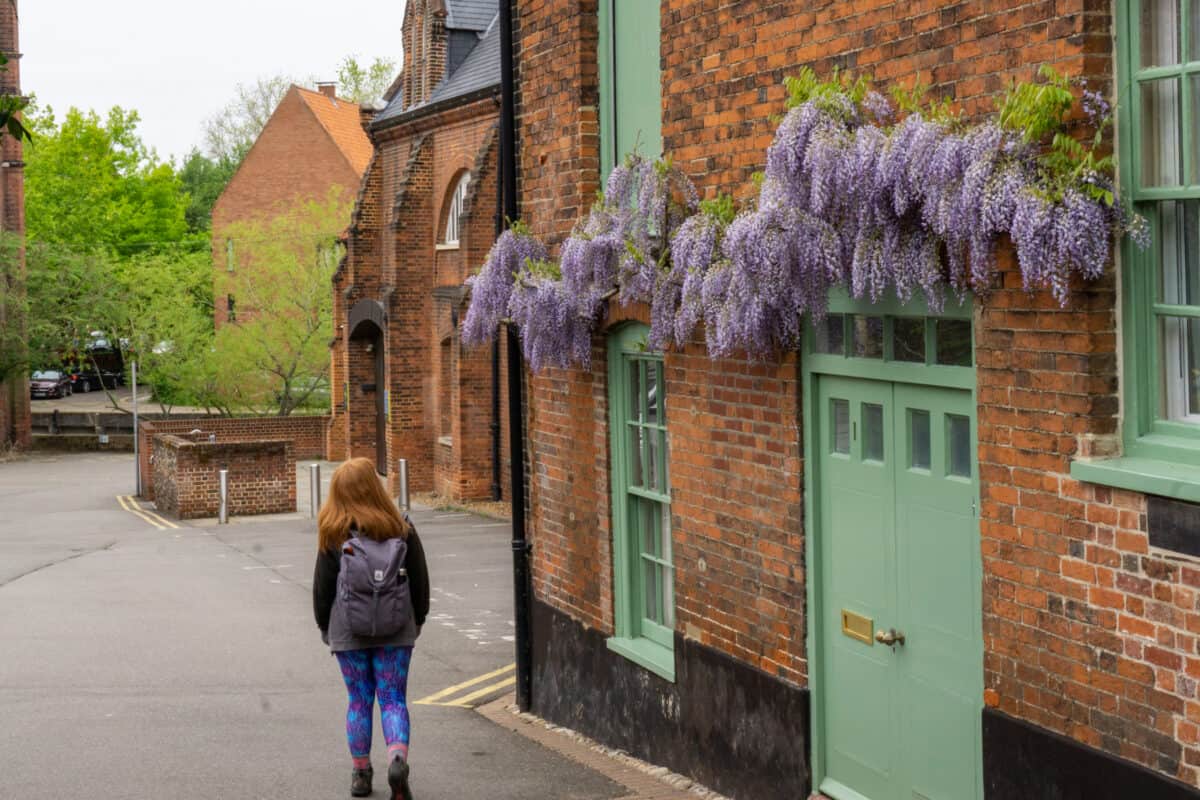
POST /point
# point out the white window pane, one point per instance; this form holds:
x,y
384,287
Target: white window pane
x,y
868,336
653,591
1194,87
830,335
1194,30
1161,152
1178,241
958,437
1160,32
652,393
1179,346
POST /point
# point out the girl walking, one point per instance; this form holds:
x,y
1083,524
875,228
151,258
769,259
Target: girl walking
x,y
370,599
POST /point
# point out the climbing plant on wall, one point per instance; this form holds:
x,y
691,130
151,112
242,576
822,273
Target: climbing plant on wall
x,y
878,195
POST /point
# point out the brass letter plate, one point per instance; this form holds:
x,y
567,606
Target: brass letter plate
x,y
856,626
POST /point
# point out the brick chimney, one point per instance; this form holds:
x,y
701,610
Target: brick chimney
x,y
328,88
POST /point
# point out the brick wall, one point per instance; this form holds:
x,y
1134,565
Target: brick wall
x,y
15,417
1088,632
261,476
307,434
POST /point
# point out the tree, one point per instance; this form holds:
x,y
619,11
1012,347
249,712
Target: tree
x,y
92,182
229,134
360,84
276,355
203,179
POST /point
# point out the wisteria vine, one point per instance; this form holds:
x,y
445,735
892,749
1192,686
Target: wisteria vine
x,y
859,191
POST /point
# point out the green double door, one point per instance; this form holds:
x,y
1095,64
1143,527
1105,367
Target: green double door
x,y
899,592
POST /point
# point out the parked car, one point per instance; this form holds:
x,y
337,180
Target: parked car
x,y
98,365
49,383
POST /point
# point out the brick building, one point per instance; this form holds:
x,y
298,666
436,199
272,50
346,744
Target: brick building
x,y
312,144
425,218
14,393
1037,548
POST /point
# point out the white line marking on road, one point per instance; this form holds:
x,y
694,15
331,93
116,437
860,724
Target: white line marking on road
x,y
449,516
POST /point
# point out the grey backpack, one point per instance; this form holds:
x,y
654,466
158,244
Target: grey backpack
x,y
372,586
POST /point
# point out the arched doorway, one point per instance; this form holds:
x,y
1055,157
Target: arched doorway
x,y
368,378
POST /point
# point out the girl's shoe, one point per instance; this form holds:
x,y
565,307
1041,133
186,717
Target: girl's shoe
x,y
398,780
360,782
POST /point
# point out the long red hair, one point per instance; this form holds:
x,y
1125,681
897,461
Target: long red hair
x,y
357,500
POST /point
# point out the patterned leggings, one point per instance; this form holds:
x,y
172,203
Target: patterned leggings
x,y
381,671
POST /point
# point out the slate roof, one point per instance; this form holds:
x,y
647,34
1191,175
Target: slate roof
x,y
470,15
479,70
340,120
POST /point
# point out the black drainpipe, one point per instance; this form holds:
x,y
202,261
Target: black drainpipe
x,y
522,590
497,493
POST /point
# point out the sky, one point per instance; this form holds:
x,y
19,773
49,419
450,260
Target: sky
x,y
177,66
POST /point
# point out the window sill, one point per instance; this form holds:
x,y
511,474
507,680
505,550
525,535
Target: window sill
x,y
654,657
1149,475
446,441
445,246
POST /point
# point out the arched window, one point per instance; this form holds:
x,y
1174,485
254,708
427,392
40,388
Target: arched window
x,y
456,209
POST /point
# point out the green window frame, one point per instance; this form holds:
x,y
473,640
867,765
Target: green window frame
x,y
1158,118
643,568
630,80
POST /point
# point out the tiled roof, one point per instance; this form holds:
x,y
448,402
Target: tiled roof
x,y
340,119
470,15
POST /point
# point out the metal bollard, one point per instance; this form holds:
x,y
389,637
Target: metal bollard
x,y
402,476
223,512
314,489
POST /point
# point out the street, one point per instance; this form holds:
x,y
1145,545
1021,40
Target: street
x,y
144,658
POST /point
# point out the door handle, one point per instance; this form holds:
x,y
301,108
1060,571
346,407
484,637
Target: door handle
x,y
889,637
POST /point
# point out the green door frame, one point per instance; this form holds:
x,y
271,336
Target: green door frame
x,y
813,365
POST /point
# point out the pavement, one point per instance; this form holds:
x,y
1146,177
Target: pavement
x,y
142,657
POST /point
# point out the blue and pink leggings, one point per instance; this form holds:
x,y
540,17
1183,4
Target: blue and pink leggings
x,y
381,671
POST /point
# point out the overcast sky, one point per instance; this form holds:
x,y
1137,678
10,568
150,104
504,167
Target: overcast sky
x,y
177,63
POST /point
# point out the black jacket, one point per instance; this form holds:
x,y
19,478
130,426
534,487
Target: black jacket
x,y
326,572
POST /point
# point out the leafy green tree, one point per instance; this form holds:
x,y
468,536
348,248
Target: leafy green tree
x,y
365,84
229,133
203,179
276,355
92,182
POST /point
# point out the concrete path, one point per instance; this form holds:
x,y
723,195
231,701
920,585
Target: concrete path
x,y
140,660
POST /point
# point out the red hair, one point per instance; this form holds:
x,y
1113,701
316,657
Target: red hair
x,y
358,501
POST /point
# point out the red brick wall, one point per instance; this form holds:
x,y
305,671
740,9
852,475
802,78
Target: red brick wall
x,y
261,476
307,434
1087,631
15,420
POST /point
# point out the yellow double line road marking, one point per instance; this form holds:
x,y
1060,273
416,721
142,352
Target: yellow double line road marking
x,y
448,696
131,505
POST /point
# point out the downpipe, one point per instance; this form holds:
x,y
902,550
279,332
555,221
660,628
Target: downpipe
x,y
522,584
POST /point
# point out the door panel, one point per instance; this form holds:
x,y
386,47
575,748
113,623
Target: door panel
x,y
857,496
941,664
899,546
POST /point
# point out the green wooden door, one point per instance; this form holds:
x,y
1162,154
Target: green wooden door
x,y
898,562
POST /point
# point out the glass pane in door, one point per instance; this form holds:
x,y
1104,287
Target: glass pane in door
x,y
872,424
918,439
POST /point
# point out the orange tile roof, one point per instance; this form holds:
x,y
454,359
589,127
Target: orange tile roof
x,y
340,119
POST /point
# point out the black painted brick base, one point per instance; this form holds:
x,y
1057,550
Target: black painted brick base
x,y
723,723
1024,762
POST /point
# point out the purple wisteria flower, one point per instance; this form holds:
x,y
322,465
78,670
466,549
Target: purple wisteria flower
x,y
491,288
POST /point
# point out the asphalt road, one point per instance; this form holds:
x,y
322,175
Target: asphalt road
x,y
184,663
